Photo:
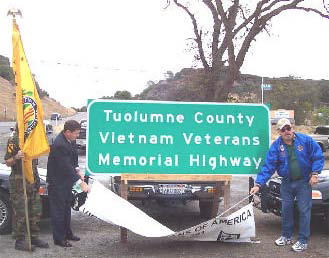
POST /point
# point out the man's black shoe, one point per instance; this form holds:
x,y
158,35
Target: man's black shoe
x,y
39,243
63,243
22,245
73,238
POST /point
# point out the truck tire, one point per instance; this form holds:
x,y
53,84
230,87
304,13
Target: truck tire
x,y
206,208
251,185
5,213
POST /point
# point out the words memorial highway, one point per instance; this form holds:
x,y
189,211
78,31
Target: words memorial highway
x,y
174,137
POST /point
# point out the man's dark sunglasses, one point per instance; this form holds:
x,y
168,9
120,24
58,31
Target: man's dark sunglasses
x,y
286,128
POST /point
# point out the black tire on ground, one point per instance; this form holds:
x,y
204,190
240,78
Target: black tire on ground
x,y
5,213
251,185
206,208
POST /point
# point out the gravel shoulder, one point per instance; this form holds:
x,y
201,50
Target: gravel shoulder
x,y
100,239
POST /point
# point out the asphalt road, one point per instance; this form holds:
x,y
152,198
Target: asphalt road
x,y
5,126
100,239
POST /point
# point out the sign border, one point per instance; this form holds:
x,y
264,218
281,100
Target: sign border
x,y
165,103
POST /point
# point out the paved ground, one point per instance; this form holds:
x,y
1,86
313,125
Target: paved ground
x,y
99,239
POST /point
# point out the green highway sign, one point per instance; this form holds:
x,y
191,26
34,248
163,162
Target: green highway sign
x,y
140,137
267,86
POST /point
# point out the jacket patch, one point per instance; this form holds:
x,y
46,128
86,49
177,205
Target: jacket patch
x,y
282,152
300,148
281,147
10,148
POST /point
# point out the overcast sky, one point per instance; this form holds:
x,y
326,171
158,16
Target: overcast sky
x,y
88,49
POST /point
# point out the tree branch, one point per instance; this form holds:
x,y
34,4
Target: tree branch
x,y
252,16
229,23
198,34
261,22
235,27
312,10
216,32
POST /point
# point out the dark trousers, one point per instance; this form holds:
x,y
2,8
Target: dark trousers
x,y
60,211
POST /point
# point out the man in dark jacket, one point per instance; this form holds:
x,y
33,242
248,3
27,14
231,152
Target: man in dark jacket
x,y
62,173
298,159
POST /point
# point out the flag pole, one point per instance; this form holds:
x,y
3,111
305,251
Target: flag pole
x,y
27,221
262,86
15,12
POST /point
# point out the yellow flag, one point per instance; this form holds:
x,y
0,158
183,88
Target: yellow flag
x,y
32,136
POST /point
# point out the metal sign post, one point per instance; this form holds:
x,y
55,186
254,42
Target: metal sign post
x,y
265,87
262,91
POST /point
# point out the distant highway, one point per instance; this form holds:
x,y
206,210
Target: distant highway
x,y
58,125
5,131
5,126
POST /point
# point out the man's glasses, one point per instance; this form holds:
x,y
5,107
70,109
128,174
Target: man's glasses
x,y
286,128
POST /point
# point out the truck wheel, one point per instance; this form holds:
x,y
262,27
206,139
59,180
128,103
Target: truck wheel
x,y
251,185
5,213
205,209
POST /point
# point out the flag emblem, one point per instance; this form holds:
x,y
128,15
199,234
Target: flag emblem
x,y
30,114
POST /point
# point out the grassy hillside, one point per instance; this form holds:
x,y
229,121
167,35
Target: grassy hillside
x,y
308,98
8,102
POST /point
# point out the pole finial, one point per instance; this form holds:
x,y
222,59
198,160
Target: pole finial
x,y
14,12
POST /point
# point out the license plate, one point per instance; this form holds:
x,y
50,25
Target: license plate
x,y
171,189
80,141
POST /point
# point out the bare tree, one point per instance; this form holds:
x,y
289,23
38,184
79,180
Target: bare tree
x,y
235,24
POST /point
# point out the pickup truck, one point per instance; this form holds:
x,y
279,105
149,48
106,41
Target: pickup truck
x,y
164,190
81,140
321,136
172,190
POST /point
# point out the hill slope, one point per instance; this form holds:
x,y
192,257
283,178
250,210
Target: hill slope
x,y
8,109
307,97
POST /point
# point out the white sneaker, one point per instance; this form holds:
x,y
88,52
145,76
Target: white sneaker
x,y
298,247
283,241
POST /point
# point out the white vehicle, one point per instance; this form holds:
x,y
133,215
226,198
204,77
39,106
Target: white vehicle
x,y
81,140
55,116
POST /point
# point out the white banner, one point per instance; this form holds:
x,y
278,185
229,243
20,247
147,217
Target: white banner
x,y
107,206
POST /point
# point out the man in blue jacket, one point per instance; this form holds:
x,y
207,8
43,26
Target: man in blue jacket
x,y
62,173
298,159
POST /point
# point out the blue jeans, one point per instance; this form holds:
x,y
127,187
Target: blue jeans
x,y
302,191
